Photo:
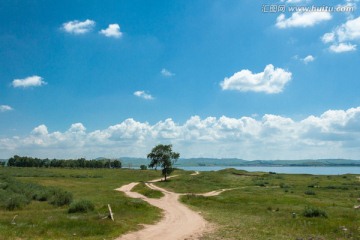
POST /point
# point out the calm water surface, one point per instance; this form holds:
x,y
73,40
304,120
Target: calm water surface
x,y
290,170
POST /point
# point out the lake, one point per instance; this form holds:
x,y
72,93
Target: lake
x,y
289,170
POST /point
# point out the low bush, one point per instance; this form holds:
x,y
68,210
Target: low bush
x,y
60,197
284,185
42,195
81,206
309,192
313,185
337,187
15,201
314,212
15,194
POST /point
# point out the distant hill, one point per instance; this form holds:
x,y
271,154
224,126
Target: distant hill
x,y
136,162
211,162
133,162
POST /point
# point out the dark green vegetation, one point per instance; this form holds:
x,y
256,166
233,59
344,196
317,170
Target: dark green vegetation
x,y
274,206
15,194
314,212
91,190
163,156
148,192
18,161
81,206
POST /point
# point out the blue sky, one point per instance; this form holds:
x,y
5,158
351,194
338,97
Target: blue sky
x,y
247,79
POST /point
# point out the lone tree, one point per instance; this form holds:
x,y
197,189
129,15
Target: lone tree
x,y
163,156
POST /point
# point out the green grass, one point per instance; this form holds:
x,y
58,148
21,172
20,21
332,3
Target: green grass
x,y
148,192
271,206
261,205
81,206
41,220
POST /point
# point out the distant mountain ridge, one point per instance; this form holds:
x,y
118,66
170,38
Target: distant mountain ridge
x,y
134,162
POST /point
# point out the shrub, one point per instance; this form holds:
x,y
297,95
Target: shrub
x,y
15,201
309,192
81,206
314,212
60,197
143,167
283,185
42,195
337,187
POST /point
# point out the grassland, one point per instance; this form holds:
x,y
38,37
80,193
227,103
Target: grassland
x,y
41,220
144,190
259,206
271,206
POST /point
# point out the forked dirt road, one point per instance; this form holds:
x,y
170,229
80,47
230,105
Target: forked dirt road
x,y
178,222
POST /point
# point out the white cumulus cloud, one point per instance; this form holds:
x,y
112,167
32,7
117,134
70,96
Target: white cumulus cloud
x,y
302,19
5,108
342,47
328,37
342,38
113,30
40,130
144,95
271,80
166,73
33,81
77,27
335,133
308,59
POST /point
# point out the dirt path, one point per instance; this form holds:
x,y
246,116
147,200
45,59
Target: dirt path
x,y
195,173
178,222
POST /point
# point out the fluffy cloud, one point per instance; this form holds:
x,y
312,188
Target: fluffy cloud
x,y
343,36
302,19
271,80
308,59
328,37
348,31
144,95
5,108
113,30
33,81
342,47
166,73
77,27
335,133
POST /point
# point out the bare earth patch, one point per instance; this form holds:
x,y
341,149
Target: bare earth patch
x,y
178,222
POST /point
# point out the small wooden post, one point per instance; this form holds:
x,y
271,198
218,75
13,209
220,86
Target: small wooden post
x,y
13,221
111,213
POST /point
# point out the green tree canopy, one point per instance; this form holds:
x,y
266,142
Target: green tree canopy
x,y
163,156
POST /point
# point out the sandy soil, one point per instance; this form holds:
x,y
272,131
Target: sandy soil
x,y
214,193
178,222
